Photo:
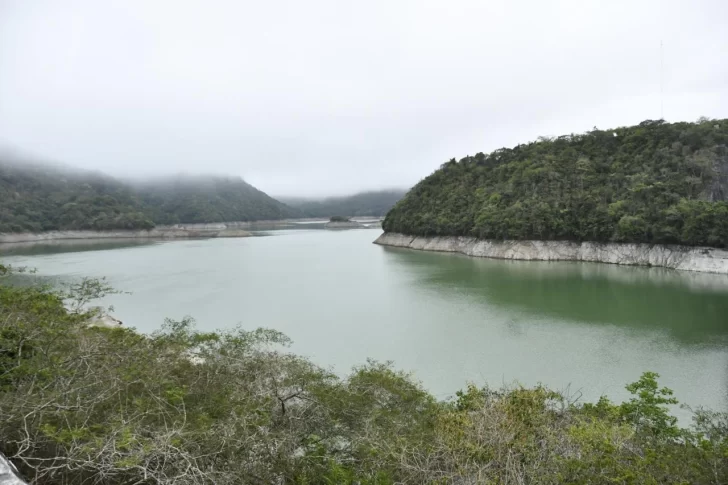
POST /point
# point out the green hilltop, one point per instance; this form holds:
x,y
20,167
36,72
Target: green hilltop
x,y
656,182
38,197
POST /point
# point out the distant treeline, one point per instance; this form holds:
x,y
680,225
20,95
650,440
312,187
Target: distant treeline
x,y
365,204
652,183
37,197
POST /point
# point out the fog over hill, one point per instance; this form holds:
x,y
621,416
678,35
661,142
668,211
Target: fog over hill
x,y
37,196
375,203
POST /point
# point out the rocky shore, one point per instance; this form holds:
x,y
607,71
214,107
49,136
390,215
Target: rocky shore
x,y
710,260
159,232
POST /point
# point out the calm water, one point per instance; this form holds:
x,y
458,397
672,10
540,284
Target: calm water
x,y
588,328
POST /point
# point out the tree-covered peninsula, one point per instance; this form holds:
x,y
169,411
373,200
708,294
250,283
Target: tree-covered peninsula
x,y
656,182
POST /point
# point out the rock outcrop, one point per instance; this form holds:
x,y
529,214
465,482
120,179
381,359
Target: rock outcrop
x,y
101,318
710,260
8,473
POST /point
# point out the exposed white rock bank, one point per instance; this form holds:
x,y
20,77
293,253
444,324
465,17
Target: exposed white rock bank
x,y
159,232
709,260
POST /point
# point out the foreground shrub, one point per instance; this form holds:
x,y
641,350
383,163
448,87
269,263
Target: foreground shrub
x,y
82,405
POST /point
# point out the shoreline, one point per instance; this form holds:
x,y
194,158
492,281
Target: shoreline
x,y
179,231
684,258
176,231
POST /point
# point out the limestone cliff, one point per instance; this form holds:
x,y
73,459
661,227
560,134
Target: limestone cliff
x,y
708,260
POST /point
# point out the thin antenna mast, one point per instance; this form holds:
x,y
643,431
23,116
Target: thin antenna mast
x,y
662,84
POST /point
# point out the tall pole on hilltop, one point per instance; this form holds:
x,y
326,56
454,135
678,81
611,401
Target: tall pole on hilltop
x,y
662,83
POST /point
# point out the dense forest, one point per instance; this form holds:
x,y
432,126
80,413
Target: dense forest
x,y
82,405
655,182
365,204
39,197
190,199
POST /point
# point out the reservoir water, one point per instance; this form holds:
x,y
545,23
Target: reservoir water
x,y
584,328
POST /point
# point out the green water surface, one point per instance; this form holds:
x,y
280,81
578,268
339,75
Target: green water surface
x,y
581,327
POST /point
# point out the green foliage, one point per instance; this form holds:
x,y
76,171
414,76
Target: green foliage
x,y
36,197
647,410
366,204
652,183
186,199
339,219
180,406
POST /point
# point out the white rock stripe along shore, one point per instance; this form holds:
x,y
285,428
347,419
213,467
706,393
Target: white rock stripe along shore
x,y
709,260
162,232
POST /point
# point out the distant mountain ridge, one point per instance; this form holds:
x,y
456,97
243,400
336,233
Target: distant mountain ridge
x,y
375,203
36,197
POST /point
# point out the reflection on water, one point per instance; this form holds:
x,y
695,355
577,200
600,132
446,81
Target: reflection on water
x,y
257,228
691,306
450,319
70,246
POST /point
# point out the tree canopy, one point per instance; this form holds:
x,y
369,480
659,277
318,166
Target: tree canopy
x,y
655,182
197,199
38,197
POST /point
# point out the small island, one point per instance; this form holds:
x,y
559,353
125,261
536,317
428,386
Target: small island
x,y
341,222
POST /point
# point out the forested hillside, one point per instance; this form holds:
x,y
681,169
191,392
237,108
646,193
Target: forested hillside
x,y
38,197
374,204
194,199
652,183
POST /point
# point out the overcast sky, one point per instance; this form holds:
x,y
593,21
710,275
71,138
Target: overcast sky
x,y
329,97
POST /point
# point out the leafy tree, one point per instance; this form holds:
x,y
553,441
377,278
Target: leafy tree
x,y
647,410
